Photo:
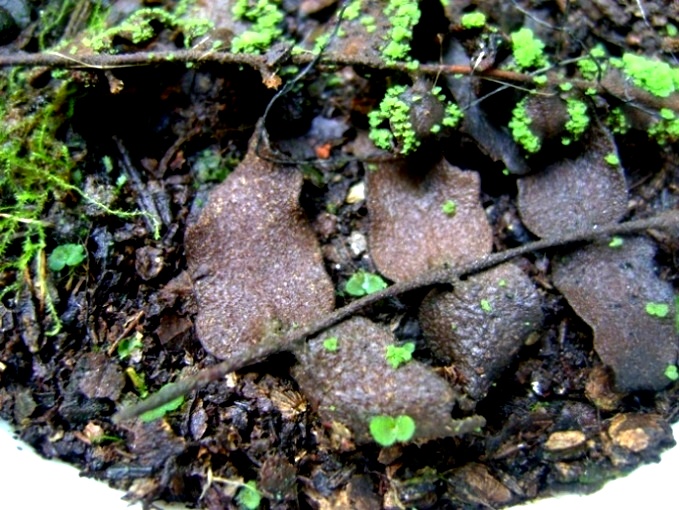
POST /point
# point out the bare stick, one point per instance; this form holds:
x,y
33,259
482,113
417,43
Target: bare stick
x,y
292,339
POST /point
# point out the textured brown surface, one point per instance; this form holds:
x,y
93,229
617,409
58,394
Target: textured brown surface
x,y
482,343
574,194
255,263
355,383
609,289
409,233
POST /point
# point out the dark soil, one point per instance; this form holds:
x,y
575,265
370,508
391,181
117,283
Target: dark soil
x,y
555,418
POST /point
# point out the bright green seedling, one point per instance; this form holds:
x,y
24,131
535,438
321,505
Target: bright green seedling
x,y
128,345
70,255
474,19
386,430
399,355
612,159
449,207
159,412
672,372
331,344
528,50
616,242
248,496
486,306
362,283
660,310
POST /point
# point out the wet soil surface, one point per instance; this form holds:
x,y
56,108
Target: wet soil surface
x,y
532,348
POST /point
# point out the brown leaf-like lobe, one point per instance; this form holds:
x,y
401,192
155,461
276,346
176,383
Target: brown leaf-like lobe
x,y
254,260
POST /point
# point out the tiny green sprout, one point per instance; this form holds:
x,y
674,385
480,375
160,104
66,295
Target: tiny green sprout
x,y
449,207
540,79
474,19
616,242
387,430
331,344
248,496
453,115
138,381
527,49
502,283
362,283
566,86
159,412
612,159
128,345
70,255
660,310
486,306
672,372
399,355
671,30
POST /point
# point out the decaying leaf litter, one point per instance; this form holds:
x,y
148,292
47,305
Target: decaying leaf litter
x,y
520,383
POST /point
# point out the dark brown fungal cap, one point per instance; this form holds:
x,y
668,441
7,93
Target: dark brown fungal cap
x,y
354,383
254,260
482,324
609,289
409,231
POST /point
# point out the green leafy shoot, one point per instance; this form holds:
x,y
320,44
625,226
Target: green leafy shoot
x,y
331,344
449,207
363,283
128,345
386,430
616,242
399,355
248,496
70,255
672,372
660,310
159,412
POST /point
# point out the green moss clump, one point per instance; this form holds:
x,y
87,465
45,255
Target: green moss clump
x,y
139,28
592,65
403,16
578,120
266,17
666,128
395,110
520,127
658,78
528,50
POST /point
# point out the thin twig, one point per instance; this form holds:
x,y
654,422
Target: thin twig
x,y
297,337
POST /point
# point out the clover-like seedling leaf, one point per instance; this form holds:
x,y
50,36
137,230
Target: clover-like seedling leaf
x,y
672,372
66,255
659,310
249,496
399,355
159,412
387,430
362,283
